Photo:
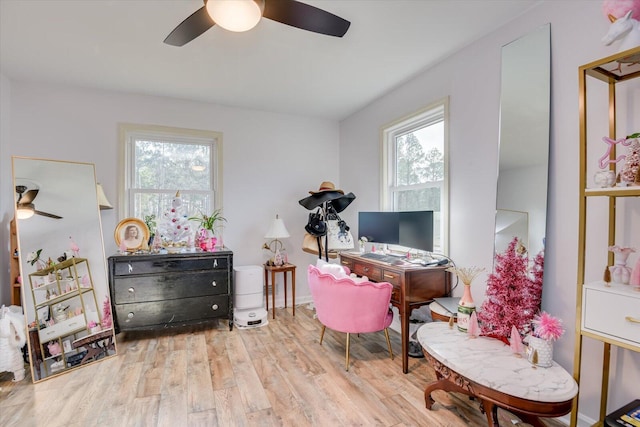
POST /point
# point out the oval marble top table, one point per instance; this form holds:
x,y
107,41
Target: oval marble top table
x,y
490,371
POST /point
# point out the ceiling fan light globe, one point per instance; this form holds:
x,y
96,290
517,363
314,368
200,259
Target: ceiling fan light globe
x,y
235,15
25,212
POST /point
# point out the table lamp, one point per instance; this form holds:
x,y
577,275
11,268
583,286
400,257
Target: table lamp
x,y
276,231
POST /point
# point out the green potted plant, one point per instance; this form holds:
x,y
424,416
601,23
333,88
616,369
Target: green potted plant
x,y
150,221
207,225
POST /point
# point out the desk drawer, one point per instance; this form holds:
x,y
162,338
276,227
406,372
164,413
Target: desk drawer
x,y
612,312
373,273
171,312
391,277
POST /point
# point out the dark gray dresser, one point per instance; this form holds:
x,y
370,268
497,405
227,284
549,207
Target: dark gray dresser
x,y
162,291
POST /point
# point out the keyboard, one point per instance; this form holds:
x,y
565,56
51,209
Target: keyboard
x,y
380,257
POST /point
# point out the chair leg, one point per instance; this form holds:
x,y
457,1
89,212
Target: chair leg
x,y
322,333
386,334
346,367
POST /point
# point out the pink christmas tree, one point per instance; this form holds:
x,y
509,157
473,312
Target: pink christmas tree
x,y
107,320
513,295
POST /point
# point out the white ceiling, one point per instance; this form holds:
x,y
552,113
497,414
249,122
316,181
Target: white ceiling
x,y
117,45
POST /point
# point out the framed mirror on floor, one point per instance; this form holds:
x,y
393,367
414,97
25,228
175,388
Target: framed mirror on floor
x,y
65,293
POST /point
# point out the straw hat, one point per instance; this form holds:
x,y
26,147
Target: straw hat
x,y
326,186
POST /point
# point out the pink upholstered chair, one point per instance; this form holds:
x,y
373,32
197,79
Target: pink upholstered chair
x,y
344,305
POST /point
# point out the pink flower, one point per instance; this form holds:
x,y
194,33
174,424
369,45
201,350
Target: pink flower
x,y
547,327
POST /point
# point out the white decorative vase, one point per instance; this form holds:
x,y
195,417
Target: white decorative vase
x,y
540,349
604,179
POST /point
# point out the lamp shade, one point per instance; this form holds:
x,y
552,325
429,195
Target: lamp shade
x,y
277,230
102,199
235,15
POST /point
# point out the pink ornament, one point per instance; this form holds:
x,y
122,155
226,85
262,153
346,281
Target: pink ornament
x,y
620,273
605,160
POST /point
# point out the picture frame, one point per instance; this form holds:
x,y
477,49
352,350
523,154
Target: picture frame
x,y
133,233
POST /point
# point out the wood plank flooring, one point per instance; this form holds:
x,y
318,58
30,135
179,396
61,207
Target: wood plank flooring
x,y
276,375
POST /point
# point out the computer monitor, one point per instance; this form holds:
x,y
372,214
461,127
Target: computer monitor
x,y
380,227
412,229
416,230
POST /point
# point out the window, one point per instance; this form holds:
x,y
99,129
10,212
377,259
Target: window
x,y
415,172
160,161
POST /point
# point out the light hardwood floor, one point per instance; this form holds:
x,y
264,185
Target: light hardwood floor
x,y
276,375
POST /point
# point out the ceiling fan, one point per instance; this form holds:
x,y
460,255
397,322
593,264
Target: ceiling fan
x,y
25,205
231,14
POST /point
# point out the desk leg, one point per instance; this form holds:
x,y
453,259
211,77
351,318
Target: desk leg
x,y
266,287
284,273
404,327
273,292
293,289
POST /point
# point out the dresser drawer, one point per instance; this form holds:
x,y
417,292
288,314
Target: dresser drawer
x,y
612,312
155,287
161,265
169,313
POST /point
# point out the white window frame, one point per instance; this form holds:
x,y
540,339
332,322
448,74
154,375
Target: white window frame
x,y
129,133
433,113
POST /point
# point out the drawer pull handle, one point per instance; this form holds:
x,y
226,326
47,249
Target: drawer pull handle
x,y
390,276
130,267
366,269
632,319
215,306
215,263
131,290
214,284
130,315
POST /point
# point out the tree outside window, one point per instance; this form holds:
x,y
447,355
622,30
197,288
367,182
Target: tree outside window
x,y
415,176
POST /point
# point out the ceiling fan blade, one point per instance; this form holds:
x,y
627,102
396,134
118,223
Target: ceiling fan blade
x,y
47,214
306,17
192,27
29,196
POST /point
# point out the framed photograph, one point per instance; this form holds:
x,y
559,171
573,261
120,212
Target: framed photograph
x,y
133,233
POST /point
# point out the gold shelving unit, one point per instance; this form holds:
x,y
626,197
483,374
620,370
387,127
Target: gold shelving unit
x,y
610,324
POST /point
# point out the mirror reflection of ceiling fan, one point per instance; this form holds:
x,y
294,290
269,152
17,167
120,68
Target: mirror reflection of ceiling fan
x,y
243,15
26,208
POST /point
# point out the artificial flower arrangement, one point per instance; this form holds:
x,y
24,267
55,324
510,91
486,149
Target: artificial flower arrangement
x,y
547,327
466,274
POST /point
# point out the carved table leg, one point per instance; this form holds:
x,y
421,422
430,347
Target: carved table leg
x,y
491,411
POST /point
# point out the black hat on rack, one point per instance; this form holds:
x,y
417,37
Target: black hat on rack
x,y
328,193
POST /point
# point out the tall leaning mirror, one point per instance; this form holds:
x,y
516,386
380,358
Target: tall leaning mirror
x,y
521,205
62,266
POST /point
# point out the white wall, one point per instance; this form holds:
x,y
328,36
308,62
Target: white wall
x,y
471,79
270,160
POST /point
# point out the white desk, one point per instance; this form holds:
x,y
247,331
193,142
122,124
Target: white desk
x,y
487,369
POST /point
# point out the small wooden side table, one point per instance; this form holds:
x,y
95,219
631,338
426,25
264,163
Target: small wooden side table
x,y
279,269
